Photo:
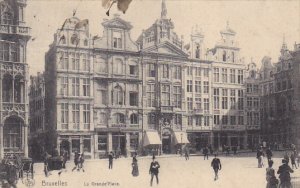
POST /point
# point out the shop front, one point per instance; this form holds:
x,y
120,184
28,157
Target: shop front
x,y
152,143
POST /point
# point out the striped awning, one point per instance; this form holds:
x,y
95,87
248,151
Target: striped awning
x,y
181,138
152,138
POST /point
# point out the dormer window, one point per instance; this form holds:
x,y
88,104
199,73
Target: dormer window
x,y
117,40
224,56
197,52
85,42
74,39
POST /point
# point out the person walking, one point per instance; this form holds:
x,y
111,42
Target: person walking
x,y
284,175
286,157
76,161
216,165
187,153
135,168
153,171
205,153
46,157
259,156
110,160
272,181
293,160
64,161
81,161
269,153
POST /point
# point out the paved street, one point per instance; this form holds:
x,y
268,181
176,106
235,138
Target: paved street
x,y
237,172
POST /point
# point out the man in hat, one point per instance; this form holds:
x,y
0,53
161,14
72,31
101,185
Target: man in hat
x,y
110,160
216,165
284,174
154,166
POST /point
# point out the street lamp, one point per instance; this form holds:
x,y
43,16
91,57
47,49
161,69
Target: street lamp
x,y
181,145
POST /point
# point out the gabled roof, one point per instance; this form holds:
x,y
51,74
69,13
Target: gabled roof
x,y
166,48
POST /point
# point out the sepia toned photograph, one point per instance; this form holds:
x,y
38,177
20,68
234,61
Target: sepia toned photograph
x,y
149,93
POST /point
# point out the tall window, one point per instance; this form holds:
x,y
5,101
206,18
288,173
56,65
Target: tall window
x,y
64,115
216,119
165,70
190,120
255,102
197,52
86,86
64,86
117,40
224,120
150,95
165,95
190,71
189,86
206,120
205,72
198,86
198,103
198,120
118,96
13,52
151,70
224,99
216,98
240,77
198,71
64,60
151,118
76,116
75,57
249,88
206,104
206,87
86,116
232,99
177,96
178,119
118,67
75,86
85,62
177,72
232,120
249,118
134,119
133,69
249,102
190,103
133,99
74,39
216,75
9,51
7,18
224,75
241,120
232,76
240,99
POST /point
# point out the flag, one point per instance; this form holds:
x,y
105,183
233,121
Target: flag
x,y
121,4
82,23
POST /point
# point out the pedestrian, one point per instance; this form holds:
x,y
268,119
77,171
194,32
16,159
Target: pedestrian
x,y
186,153
272,181
64,161
76,161
293,160
205,153
286,157
259,156
80,162
211,149
269,153
46,157
135,168
154,166
227,150
216,165
110,160
284,174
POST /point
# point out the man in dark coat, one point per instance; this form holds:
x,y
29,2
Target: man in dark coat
x,y
76,161
216,165
284,174
269,154
110,160
154,166
205,153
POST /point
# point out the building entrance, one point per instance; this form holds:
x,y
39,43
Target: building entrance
x,y
166,141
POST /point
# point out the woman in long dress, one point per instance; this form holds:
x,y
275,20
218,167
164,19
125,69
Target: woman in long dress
x,y
135,168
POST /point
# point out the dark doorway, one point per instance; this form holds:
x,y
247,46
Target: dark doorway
x,y
166,144
65,145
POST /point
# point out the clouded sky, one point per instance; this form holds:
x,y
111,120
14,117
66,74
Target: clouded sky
x,y
260,24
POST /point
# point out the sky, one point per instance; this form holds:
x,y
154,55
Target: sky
x,y
260,25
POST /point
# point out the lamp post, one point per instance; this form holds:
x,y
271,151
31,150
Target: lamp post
x,y
181,145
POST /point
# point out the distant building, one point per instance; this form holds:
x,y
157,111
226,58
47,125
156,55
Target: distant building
x,y
14,35
37,116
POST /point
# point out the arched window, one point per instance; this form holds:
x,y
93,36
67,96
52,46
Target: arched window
x,y
197,52
74,39
224,56
7,18
118,96
119,118
232,55
134,119
252,74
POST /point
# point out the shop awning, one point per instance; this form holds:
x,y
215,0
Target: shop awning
x,y
181,138
151,138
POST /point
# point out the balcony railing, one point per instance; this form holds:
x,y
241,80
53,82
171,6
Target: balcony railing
x,y
9,106
14,29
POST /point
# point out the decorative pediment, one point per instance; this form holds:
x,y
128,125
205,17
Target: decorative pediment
x,y
166,48
117,23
